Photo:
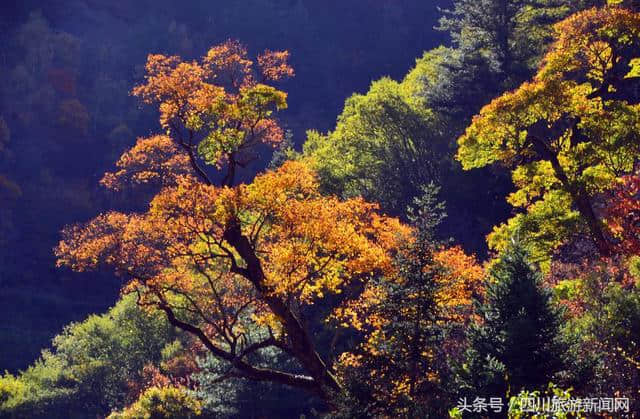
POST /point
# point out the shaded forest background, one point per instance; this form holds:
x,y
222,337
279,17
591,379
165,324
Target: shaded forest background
x,y
65,114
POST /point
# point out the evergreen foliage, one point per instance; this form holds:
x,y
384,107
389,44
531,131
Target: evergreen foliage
x,y
516,344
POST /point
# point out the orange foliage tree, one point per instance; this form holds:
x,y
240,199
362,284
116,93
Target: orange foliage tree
x,y
217,110
240,266
234,265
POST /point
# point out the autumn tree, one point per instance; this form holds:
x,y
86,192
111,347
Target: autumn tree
x,y
601,326
217,110
568,134
398,136
235,265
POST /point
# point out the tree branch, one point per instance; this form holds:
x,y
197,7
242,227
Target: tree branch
x,y
245,369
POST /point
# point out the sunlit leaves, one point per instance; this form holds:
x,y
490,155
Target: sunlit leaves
x,y
162,402
273,65
569,133
386,144
152,160
230,63
308,245
459,282
548,223
406,319
623,215
593,44
217,106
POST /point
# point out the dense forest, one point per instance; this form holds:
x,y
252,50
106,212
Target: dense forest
x,y
287,208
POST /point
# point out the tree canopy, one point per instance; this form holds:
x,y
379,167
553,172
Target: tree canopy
x,y
568,134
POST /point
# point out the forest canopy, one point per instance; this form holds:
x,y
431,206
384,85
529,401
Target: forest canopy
x,y
464,240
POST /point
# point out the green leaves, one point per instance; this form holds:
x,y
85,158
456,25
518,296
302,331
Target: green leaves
x,y
262,96
547,224
518,335
565,140
91,367
386,145
162,403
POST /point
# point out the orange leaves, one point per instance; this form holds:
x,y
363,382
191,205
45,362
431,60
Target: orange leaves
x,y
174,255
84,247
291,180
187,89
401,317
229,61
458,279
623,215
179,87
361,313
152,160
168,77
591,43
578,118
269,132
312,244
592,48
216,105
274,66
460,282
308,244
234,265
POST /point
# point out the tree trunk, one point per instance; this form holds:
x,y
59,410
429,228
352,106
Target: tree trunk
x,y
301,344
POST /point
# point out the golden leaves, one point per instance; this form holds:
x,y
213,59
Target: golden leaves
x,y
308,244
568,133
179,87
397,317
274,66
216,105
590,42
311,244
152,160
588,48
460,283
229,61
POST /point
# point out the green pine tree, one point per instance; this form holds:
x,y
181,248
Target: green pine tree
x,y
516,344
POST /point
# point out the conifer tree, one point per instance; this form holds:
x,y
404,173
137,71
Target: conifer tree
x,y
515,345
402,367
